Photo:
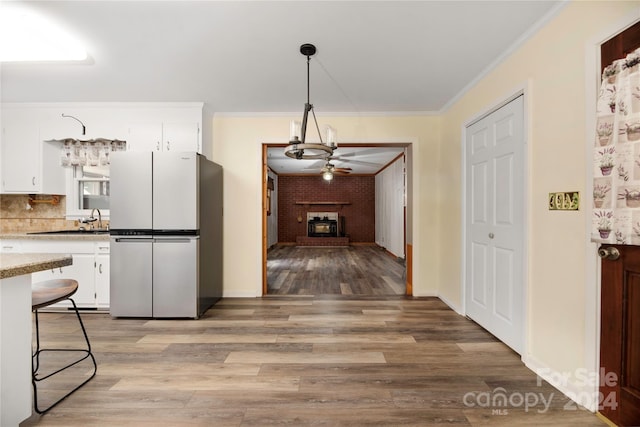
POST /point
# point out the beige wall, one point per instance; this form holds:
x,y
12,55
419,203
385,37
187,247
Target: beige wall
x,y
237,146
551,68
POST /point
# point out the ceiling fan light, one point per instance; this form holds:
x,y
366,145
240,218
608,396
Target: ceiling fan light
x,y
327,176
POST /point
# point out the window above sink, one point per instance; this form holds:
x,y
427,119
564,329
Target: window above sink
x,y
87,189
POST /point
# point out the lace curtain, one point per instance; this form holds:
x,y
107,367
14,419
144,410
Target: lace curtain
x,y
616,154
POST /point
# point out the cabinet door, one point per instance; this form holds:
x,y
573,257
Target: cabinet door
x,y
169,136
181,137
102,280
20,158
10,246
145,137
82,270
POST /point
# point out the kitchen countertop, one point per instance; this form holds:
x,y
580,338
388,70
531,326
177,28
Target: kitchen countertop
x,y
12,265
60,236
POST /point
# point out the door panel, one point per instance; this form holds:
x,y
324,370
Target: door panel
x,y
131,277
175,191
620,337
495,223
175,277
131,190
504,279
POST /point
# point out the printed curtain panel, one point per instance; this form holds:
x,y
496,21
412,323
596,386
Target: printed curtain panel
x,y
616,155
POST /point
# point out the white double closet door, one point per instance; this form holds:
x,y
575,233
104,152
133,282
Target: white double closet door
x,y
494,243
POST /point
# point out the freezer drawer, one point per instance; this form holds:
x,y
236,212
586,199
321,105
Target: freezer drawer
x,y
175,276
131,277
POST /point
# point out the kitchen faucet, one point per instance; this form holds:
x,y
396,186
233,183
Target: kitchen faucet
x,y
94,218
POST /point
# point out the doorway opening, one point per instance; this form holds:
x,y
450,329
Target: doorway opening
x,y
346,236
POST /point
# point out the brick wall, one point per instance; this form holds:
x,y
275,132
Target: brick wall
x,y
357,190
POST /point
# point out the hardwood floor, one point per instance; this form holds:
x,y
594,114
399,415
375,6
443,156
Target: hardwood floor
x,y
351,270
302,361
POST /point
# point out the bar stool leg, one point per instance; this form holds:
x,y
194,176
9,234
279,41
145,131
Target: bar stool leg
x,y
35,362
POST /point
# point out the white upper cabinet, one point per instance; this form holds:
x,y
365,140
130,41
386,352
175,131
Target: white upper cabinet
x,y
29,164
166,136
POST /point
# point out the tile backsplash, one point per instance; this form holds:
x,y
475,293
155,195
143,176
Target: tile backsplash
x,y
17,217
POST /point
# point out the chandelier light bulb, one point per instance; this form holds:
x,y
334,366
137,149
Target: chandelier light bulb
x,y
331,137
294,130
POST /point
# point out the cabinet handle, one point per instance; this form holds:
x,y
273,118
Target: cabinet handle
x,y
60,270
33,181
168,146
157,145
100,268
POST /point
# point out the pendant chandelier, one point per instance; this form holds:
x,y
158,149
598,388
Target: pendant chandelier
x,y
298,148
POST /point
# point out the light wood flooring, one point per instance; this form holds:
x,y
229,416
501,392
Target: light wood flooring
x,y
302,361
351,270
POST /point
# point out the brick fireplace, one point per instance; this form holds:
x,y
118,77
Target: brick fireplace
x,y
351,198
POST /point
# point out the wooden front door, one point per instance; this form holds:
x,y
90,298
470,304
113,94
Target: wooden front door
x,y
620,300
620,335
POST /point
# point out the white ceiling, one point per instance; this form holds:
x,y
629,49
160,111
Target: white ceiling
x,y
243,56
357,160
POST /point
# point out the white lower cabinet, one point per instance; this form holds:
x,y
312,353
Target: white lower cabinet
x,y
90,268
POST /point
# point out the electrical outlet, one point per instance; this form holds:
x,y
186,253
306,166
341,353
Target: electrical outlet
x,y
564,201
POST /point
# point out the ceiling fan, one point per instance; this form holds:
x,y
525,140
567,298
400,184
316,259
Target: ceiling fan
x,y
330,167
328,170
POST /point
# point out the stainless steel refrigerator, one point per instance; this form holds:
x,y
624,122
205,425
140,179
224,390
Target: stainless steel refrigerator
x,y
165,234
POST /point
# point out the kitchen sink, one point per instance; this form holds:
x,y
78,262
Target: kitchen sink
x,y
75,231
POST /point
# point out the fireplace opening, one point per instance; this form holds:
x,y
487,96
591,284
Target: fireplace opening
x,y
322,224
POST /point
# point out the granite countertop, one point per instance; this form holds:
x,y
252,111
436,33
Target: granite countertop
x,y
18,264
56,236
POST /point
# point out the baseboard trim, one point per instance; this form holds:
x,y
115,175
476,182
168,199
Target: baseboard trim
x,y
580,386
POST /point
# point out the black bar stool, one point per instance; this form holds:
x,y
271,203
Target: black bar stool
x,y
44,294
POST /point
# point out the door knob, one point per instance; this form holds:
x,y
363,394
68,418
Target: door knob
x,y
609,253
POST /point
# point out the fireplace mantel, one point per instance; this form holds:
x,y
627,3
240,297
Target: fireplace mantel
x,y
323,203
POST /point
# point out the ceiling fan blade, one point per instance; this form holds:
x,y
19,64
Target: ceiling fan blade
x,y
363,163
368,151
316,165
348,170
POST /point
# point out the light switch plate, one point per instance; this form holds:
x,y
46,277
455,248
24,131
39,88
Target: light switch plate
x,y
564,201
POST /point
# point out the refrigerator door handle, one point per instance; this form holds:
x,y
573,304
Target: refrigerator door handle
x,y
172,240
133,240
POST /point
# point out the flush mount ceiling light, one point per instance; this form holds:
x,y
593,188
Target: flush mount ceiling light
x,y
298,148
27,36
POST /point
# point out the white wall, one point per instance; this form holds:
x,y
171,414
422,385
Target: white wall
x,y
390,208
